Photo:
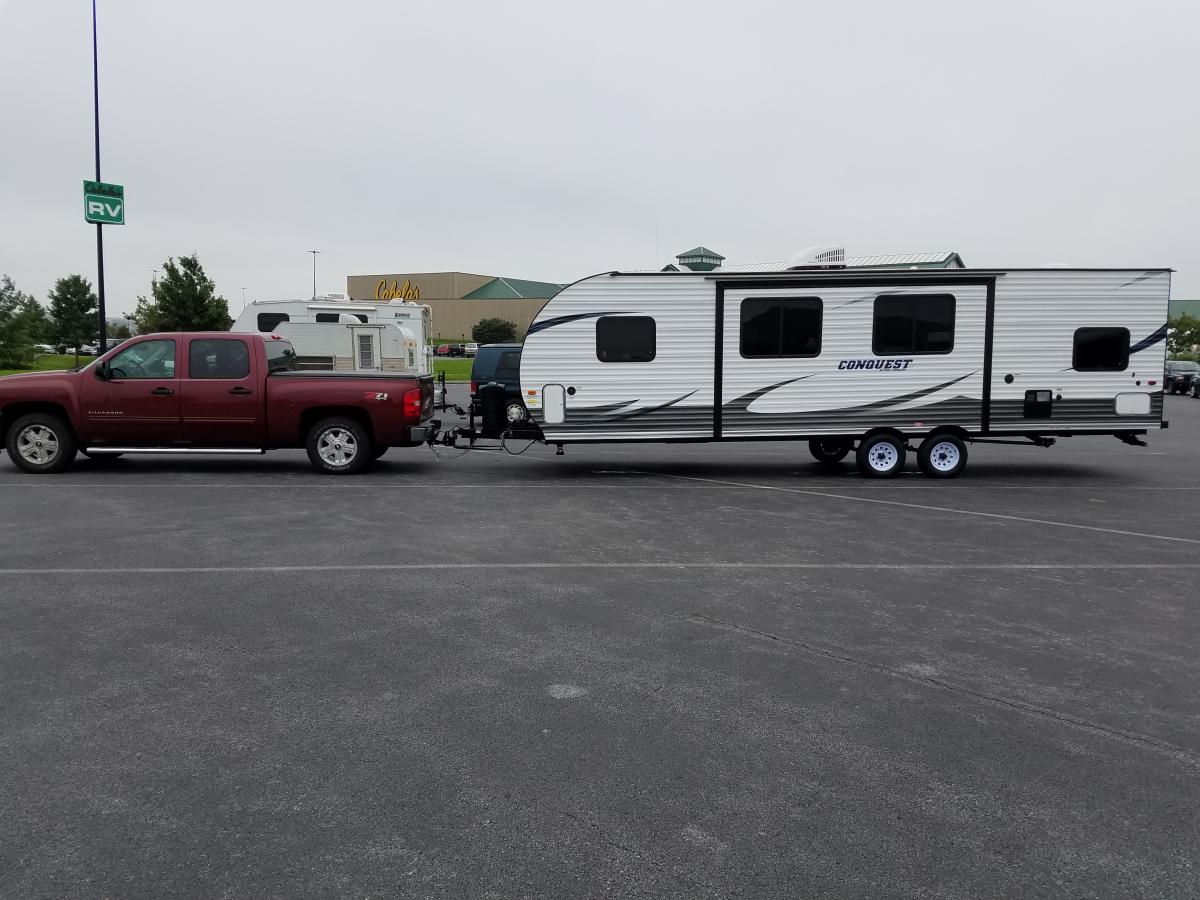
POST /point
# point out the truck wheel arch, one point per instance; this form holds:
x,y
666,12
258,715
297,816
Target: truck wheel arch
x,y
14,411
311,417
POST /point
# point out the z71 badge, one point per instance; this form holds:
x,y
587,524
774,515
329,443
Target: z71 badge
x,y
375,395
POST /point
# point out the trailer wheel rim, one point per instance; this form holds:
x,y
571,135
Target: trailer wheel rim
x,y
337,447
883,457
945,456
37,444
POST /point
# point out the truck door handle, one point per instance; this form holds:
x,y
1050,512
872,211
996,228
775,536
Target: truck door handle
x,y
162,392
240,391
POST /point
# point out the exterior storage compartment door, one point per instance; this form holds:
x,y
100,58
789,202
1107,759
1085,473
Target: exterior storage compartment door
x,y
554,404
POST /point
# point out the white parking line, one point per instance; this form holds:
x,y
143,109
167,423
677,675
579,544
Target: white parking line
x,y
491,566
944,509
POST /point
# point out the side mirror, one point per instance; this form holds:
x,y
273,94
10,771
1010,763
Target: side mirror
x,y
102,371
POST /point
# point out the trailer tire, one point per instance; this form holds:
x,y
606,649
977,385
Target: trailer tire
x,y
40,443
827,451
942,455
338,446
881,456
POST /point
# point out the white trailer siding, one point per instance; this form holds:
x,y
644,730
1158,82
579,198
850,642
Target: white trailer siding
x,y
670,396
1037,314
829,395
846,389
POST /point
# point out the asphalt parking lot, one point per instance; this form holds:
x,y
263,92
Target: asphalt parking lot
x,y
681,670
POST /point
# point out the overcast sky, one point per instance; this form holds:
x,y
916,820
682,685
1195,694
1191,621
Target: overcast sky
x,y
554,140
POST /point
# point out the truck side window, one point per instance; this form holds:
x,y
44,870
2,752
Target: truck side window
x,y
625,339
222,358
1100,350
268,321
149,359
910,324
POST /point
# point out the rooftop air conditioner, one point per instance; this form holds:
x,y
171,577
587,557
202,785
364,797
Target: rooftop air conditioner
x,y
823,256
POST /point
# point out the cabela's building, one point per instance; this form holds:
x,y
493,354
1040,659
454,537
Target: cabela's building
x,y
459,300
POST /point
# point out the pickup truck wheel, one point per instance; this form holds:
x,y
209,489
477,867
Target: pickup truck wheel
x,y
40,443
338,446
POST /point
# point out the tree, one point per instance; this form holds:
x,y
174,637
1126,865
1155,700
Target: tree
x,y
73,312
493,331
16,335
120,331
184,299
37,320
1183,333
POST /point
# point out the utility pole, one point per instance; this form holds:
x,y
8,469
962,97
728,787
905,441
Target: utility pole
x,y
314,253
99,227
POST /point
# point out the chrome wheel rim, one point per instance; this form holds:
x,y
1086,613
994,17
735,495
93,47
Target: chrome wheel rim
x,y
883,457
37,444
944,456
516,412
337,447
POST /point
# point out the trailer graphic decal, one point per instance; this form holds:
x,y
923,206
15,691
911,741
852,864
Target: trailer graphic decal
x,y
1150,341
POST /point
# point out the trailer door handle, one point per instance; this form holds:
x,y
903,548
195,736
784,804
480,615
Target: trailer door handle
x,y
240,391
162,392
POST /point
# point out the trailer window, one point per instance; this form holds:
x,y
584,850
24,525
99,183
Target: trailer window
x,y
1100,350
781,326
222,358
909,324
268,321
625,338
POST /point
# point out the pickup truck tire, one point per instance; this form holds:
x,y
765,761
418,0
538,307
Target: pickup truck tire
x,y
40,443
338,446
829,451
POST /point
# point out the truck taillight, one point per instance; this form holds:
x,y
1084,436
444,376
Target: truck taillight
x,y
412,404
474,387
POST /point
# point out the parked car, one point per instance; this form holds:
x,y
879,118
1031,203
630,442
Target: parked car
x,y
1177,378
458,350
471,349
500,363
230,393
442,350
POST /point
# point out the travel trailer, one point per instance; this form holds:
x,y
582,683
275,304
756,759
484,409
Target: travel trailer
x,y
870,361
334,333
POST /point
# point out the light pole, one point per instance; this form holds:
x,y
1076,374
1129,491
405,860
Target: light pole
x,y
244,296
99,227
154,287
314,253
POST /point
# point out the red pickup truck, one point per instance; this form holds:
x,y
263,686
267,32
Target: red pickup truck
x,y
210,392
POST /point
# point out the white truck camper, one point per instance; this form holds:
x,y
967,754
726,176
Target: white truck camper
x,y
870,361
335,333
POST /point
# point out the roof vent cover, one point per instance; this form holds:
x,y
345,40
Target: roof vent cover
x,y
823,256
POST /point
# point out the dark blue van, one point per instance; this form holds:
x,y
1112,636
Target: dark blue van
x,y
500,363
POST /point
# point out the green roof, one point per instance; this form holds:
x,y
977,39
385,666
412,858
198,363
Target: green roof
x,y
700,251
514,289
1179,307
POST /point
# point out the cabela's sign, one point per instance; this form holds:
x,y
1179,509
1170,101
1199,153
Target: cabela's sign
x,y
406,291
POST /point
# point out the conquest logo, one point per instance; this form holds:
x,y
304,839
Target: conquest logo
x,y
874,363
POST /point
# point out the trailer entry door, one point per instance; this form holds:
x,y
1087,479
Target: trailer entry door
x,y
554,404
366,348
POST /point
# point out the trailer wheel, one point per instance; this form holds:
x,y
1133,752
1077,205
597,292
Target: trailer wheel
x,y
40,443
880,456
338,446
828,451
942,456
